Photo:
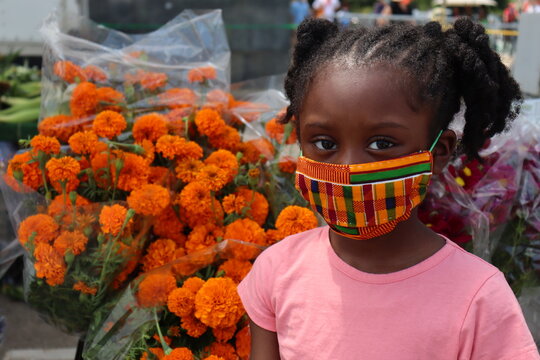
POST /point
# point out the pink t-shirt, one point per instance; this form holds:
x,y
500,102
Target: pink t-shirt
x,y
452,306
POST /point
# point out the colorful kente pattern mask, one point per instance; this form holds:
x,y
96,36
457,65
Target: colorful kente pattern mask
x,y
366,200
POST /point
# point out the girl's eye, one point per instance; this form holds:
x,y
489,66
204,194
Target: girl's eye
x,y
325,145
380,144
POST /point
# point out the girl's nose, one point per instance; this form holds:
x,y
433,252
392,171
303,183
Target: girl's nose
x,y
353,156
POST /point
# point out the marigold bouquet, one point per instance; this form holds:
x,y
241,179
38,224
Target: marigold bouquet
x,y
141,163
189,308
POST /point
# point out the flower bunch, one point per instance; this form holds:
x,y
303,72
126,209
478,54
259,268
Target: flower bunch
x,y
140,169
491,205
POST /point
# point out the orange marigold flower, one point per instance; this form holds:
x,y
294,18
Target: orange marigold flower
x,y
134,171
155,288
170,146
223,350
84,100
150,127
250,153
112,218
62,204
110,99
198,204
247,111
85,289
217,303
181,353
150,199
181,302
226,160
153,80
65,170
201,74
203,236
177,98
218,96
248,231
264,148
159,253
213,177
83,142
229,139
235,269
287,165
187,169
276,131
224,334
175,120
191,150
245,230
244,197
75,241
210,123
243,343
273,236
193,284
69,72
295,219
168,225
158,175
59,126
38,228
109,124
47,144
49,264
94,73
20,169
194,327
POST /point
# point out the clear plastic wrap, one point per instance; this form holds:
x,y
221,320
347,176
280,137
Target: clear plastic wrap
x,y
145,157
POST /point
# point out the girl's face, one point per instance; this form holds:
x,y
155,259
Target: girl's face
x,y
364,115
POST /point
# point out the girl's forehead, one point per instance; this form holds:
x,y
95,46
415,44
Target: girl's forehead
x,y
356,99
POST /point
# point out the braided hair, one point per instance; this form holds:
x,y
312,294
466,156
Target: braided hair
x,y
446,67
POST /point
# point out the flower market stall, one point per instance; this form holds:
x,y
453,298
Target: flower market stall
x,y
153,185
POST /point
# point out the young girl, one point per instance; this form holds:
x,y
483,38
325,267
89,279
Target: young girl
x,y
372,109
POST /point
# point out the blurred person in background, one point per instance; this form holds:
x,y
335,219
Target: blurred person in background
x,y
299,10
401,7
510,13
326,9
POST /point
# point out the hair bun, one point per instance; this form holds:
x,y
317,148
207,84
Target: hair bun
x,y
471,33
311,34
433,29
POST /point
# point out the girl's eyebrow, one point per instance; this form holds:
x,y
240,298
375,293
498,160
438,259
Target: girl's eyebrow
x,y
319,125
388,124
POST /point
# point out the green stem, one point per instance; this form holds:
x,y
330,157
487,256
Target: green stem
x,y
166,348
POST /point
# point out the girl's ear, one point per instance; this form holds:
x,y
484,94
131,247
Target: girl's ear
x,y
443,150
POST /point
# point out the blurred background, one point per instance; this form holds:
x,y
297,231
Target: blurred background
x,y
261,36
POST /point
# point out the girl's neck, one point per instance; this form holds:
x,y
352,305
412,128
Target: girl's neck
x,y
408,244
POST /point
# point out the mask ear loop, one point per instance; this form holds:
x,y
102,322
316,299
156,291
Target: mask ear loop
x,y
436,140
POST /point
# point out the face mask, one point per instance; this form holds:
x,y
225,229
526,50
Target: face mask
x,y
366,200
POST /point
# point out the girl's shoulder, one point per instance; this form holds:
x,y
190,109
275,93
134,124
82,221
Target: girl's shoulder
x,y
290,248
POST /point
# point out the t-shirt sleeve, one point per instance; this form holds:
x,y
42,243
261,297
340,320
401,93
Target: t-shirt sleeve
x,y
256,291
494,327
